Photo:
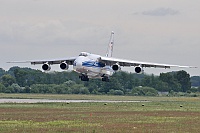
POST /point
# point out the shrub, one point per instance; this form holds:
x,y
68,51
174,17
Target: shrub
x,y
118,92
144,91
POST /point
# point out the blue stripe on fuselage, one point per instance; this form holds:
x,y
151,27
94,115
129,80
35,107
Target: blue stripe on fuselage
x,y
93,64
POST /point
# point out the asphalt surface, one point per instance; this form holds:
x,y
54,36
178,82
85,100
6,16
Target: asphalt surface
x,y
59,101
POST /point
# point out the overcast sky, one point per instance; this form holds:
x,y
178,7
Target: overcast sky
x,y
162,31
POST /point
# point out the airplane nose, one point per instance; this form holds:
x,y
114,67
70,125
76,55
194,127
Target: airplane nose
x,y
78,62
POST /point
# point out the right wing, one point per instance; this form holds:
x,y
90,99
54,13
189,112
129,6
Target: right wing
x,y
122,62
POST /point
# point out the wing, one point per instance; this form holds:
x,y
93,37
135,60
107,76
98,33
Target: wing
x,y
128,63
69,61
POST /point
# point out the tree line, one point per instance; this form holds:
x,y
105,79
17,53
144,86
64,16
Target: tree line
x,y
27,80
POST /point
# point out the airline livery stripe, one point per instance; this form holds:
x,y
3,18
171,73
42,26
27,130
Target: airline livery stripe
x,y
93,64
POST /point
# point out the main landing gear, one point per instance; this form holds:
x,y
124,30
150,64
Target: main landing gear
x,y
84,77
105,79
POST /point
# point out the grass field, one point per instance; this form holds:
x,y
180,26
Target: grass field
x,y
161,115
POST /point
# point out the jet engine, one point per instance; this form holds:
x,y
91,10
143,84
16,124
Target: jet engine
x,y
64,66
116,67
46,67
138,69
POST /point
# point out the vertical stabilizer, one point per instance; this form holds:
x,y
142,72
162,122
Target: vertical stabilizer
x,y
110,45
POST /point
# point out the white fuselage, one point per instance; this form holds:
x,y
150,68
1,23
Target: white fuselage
x,y
88,64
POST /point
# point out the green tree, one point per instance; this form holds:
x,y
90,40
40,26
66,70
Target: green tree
x,y
34,88
162,86
57,89
69,83
147,81
9,89
136,82
2,88
125,80
27,89
7,80
184,79
21,76
2,72
16,87
172,82
76,89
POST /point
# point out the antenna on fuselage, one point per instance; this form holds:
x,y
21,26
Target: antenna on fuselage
x,y
110,45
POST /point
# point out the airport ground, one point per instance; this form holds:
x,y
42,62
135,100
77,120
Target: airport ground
x,y
146,114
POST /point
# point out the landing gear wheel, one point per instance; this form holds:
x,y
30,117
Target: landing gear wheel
x,y
84,78
105,79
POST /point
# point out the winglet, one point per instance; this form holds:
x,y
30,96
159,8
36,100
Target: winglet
x,y
110,45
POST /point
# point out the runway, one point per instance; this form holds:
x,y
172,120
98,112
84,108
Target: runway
x,y
61,101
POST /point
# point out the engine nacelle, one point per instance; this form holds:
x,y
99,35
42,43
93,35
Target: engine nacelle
x,y
64,66
116,67
138,69
46,67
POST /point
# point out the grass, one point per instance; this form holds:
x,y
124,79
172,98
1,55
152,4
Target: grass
x,y
94,97
163,114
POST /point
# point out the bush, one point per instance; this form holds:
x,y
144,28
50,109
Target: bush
x,y
118,92
9,89
144,91
115,92
84,90
193,89
16,88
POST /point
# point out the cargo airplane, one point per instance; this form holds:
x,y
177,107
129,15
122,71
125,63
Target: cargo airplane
x,y
97,66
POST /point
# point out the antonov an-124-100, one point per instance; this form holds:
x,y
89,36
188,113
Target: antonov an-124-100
x,y
97,66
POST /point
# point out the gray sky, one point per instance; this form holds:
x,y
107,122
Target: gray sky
x,y
162,31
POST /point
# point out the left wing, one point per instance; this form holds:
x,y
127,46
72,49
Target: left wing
x,y
122,62
69,61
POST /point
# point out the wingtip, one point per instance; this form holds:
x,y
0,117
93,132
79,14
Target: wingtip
x,y
18,62
188,66
193,67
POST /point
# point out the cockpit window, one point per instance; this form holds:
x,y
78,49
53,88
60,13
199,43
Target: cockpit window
x,y
83,54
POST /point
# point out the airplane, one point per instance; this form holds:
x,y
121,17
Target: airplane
x,y
97,66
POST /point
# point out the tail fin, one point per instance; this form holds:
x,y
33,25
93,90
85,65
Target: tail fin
x,y
110,45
